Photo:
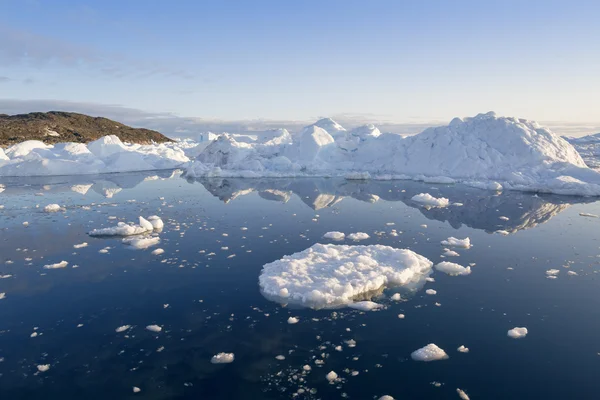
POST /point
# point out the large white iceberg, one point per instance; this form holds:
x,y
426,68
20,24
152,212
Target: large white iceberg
x,y
105,155
329,276
513,153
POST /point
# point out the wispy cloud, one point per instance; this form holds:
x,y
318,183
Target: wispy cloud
x,y
21,47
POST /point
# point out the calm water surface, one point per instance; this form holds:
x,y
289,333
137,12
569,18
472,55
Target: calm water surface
x,y
203,291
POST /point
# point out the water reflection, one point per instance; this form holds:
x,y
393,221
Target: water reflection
x,y
481,209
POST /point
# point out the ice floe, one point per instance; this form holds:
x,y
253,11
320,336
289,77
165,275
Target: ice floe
x,y
454,242
429,201
57,265
334,235
326,276
431,352
358,236
123,229
517,333
452,269
222,358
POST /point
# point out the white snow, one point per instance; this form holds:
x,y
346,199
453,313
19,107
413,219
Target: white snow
x,y
454,242
326,276
431,352
105,155
429,201
154,328
334,235
53,208
517,333
452,269
61,264
485,151
222,358
358,236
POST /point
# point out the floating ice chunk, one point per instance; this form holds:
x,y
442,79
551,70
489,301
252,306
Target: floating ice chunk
x,y
43,367
157,252
156,222
61,264
396,297
331,376
80,245
154,328
428,200
572,273
365,305
307,368
326,276
136,389
452,269
123,229
463,349
588,215
517,333
462,394
386,397
280,357
401,316
454,242
292,320
502,232
122,328
2,296
358,236
142,243
50,208
334,235
552,273
222,358
503,218
431,352
431,292
450,253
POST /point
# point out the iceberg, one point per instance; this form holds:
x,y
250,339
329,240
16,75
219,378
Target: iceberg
x,y
485,151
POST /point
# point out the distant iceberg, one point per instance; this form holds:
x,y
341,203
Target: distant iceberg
x,y
512,153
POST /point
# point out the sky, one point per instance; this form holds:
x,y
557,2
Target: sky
x,y
405,62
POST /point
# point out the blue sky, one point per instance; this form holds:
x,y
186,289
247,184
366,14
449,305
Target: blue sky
x,y
402,61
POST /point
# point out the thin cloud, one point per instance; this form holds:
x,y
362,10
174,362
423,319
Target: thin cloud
x,y
22,47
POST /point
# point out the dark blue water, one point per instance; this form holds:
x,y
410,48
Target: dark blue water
x,y
210,303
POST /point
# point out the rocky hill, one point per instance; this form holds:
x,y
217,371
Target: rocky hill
x,y
56,126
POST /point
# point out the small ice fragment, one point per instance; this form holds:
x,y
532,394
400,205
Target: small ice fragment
x,y
463,349
222,358
462,394
396,297
401,316
386,397
122,328
431,352
157,252
43,367
292,320
452,269
61,264
517,333
334,235
331,376
552,272
365,305
80,245
136,389
452,241
280,357
52,208
154,328
431,292
358,236
429,201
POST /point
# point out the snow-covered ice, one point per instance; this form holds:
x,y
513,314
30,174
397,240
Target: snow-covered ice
x,y
326,276
57,265
154,328
463,349
50,208
365,305
429,201
334,235
122,328
222,358
331,376
452,269
123,229
462,394
142,243
43,367
517,333
431,352
105,155
454,242
357,236
485,151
